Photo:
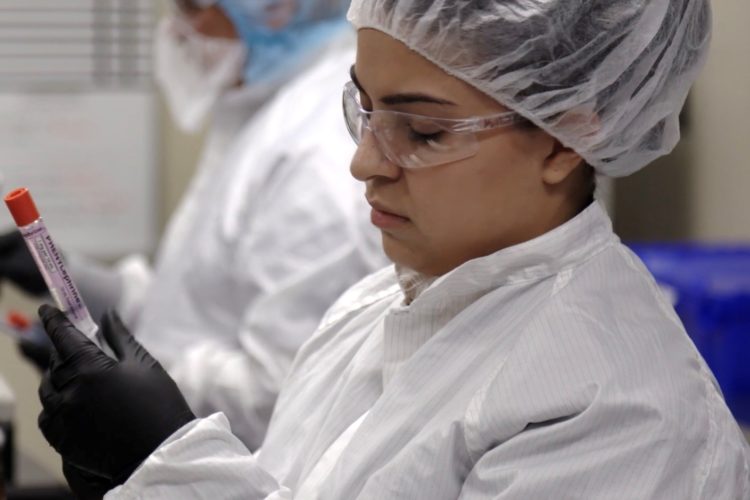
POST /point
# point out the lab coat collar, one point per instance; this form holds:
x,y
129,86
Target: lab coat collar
x,y
565,247
411,324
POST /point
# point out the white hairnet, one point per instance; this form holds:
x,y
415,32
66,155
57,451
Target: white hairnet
x,y
607,78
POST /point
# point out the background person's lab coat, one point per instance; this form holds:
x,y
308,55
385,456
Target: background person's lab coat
x,y
272,230
552,369
124,285
281,232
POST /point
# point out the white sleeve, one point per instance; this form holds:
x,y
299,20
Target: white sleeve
x,y
136,274
102,287
202,460
213,377
301,256
622,452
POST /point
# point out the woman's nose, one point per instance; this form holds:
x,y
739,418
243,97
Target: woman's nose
x,y
369,161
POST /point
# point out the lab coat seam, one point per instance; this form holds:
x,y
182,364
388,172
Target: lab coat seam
x,y
712,433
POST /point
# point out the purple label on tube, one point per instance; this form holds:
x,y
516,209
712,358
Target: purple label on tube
x,y
52,267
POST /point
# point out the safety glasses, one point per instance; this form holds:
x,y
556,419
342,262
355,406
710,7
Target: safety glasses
x,y
417,141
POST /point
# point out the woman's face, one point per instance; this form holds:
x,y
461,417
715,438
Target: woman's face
x,y
433,219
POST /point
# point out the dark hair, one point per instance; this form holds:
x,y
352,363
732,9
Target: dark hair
x,y
590,174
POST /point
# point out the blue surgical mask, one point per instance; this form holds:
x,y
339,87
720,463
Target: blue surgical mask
x,y
273,55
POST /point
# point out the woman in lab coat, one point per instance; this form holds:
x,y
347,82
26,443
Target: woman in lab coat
x,y
516,350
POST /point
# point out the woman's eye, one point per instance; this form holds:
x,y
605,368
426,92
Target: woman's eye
x,y
425,137
423,131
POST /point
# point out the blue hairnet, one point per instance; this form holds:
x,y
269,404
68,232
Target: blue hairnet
x,y
276,53
607,78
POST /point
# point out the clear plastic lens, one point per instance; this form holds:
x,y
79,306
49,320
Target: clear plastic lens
x,y
415,141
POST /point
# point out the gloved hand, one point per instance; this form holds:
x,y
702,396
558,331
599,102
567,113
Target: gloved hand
x,y
105,416
36,347
18,266
86,486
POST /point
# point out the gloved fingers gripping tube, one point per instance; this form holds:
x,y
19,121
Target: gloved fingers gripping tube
x,y
50,263
105,417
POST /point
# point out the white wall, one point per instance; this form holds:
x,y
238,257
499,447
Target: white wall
x,y
180,153
700,192
720,149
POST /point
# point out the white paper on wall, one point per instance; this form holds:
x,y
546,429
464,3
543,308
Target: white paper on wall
x,y
78,119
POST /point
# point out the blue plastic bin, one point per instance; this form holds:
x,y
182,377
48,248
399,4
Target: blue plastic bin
x,y
710,287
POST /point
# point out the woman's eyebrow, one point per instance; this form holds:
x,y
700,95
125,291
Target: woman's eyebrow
x,y
406,98
355,80
410,98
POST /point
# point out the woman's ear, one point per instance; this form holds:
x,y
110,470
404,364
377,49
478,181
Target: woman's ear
x,y
559,164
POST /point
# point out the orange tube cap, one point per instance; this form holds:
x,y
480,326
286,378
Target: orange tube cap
x,y
18,320
22,207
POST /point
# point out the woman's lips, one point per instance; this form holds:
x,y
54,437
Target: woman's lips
x,y
383,219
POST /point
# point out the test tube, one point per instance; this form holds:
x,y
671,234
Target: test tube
x,y
50,263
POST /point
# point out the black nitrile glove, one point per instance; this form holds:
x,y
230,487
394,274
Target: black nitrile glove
x,y
86,486
36,347
18,266
105,416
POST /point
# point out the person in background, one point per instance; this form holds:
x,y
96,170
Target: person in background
x,y
517,350
271,230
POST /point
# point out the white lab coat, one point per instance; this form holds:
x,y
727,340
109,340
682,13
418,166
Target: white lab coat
x,y
552,369
267,241
124,285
